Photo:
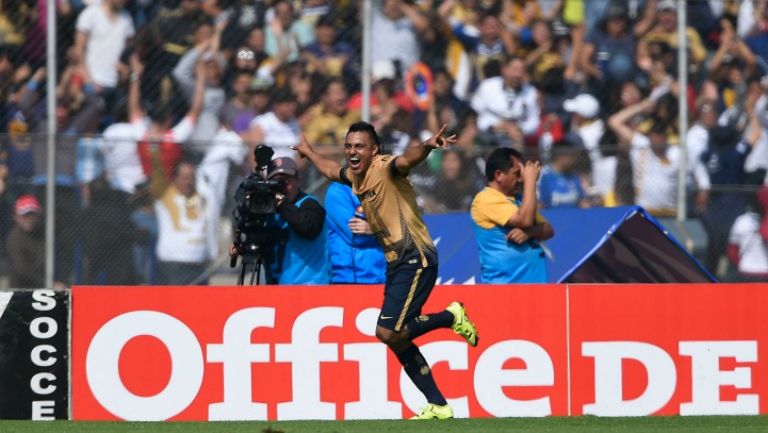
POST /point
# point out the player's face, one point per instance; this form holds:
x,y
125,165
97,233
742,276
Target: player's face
x,y
359,151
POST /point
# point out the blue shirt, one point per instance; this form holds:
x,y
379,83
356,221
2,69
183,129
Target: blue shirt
x,y
559,189
725,164
354,258
501,261
615,57
758,44
304,261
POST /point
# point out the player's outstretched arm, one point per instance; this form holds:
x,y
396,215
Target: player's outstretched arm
x,y
327,167
415,154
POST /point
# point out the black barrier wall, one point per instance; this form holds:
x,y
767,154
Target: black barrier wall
x,y
34,377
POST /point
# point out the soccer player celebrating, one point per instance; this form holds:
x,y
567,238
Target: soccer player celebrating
x,y
388,199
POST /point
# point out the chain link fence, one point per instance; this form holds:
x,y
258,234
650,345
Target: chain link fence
x,y
160,98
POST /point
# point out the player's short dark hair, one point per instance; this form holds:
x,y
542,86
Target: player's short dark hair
x,y
367,128
500,159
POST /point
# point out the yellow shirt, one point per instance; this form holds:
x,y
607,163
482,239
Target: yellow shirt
x,y
698,52
491,208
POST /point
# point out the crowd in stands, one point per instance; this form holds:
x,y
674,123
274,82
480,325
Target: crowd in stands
x,y
160,104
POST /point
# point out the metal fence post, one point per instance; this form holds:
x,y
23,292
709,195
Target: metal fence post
x,y
682,72
50,189
365,80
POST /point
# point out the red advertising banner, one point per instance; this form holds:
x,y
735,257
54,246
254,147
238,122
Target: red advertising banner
x,y
668,349
251,353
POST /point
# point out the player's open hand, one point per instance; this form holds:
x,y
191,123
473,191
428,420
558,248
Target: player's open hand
x,y
304,148
439,140
517,236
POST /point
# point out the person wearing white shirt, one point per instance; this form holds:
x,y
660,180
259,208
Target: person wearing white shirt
x,y
395,26
103,30
227,148
698,135
747,248
214,97
696,144
655,167
279,128
506,106
184,247
654,163
758,158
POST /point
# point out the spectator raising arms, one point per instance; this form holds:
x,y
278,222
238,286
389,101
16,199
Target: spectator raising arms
x,y
203,62
654,161
519,74
154,134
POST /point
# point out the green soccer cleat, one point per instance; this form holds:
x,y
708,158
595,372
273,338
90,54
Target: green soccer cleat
x,y
433,411
461,323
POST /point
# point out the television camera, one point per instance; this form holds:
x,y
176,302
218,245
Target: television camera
x,y
255,206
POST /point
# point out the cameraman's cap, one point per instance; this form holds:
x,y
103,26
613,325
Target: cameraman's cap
x,y
283,165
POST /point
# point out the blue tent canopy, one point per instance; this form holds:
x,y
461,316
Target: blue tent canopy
x,y
620,244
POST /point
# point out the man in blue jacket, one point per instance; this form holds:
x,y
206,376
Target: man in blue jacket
x,y
355,253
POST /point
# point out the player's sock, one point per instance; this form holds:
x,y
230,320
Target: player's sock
x,y
420,325
421,375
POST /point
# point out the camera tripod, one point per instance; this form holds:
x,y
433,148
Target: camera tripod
x,y
252,262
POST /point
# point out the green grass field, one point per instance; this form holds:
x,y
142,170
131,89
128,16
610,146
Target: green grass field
x,y
505,425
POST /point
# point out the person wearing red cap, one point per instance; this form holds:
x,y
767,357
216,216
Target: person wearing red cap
x,y
25,246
